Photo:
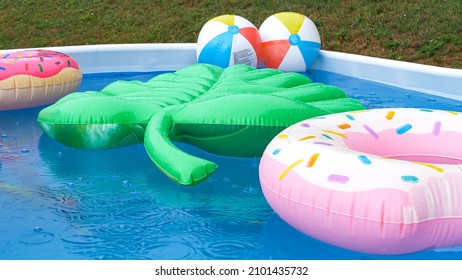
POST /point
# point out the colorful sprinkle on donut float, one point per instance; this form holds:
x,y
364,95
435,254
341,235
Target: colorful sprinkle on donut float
x,y
383,181
36,77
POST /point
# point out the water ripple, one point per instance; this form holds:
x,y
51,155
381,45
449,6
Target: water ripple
x,y
173,250
102,255
120,229
225,249
77,217
79,236
36,237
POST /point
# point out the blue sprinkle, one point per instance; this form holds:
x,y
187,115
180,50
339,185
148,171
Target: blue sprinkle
x,y
350,117
426,110
364,160
409,179
6,55
2,68
403,129
275,152
327,136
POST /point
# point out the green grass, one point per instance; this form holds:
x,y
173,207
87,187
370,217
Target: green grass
x,y
423,31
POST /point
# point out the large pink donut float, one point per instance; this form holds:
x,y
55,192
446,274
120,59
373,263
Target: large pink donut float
x,y
36,77
384,181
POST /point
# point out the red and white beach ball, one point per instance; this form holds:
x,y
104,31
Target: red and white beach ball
x,y
290,42
228,40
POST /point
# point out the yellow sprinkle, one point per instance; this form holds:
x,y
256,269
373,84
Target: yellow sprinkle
x,y
390,115
336,133
452,112
312,160
306,138
290,167
8,62
387,158
283,136
431,166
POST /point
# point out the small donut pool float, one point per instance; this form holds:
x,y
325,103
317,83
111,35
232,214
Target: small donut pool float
x,y
36,77
383,181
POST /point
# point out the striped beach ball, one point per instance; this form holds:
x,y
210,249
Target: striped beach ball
x,y
228,40
290,42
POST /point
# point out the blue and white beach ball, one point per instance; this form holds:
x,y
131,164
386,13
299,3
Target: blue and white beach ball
x,y
290,42
228,40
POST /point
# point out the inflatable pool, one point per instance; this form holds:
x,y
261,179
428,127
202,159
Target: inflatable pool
x,y
384,181
78,191
36,77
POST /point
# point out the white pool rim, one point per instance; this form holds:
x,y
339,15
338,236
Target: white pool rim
x,y
110,58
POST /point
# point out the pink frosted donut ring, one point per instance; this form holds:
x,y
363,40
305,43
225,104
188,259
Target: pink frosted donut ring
x,y
36,77
384,181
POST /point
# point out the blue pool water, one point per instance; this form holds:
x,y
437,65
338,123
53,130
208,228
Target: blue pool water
x,y
62,203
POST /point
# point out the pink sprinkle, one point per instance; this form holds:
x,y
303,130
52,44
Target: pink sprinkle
x,y
436,128
371,132
334,178
323,143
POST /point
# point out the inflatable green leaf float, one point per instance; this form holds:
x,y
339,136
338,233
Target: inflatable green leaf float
x,y
234,112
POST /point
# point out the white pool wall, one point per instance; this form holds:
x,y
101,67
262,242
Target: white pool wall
x,y
440,81
445,82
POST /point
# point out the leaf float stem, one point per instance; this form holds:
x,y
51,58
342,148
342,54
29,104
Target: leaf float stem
x,y
181,167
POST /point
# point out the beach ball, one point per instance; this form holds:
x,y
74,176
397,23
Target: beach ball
x,y
290,42
228,40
